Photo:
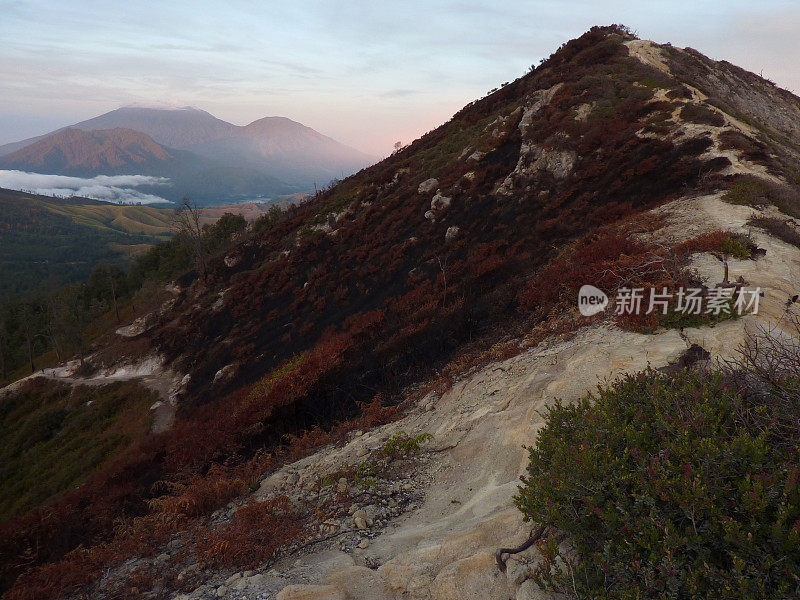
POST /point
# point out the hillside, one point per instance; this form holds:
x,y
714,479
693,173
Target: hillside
x,y
75,151
79,153
49,242
353,385
287,150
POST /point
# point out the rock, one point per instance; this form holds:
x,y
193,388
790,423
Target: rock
x,y
256,581
428,185
175,544
539,100
341,486
233,578
225,373
476,156
472,578
559,163
530,591
221,591
310,592
451,234
360,519
371,511
430,215
440,202
520,567
231,260
363,543
360,583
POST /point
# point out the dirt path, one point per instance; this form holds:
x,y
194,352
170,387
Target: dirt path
x,y
149,372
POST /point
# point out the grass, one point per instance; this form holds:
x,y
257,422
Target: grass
x,y
780,228
753,191
124,219
54,436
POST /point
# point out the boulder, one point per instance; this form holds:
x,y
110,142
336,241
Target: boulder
x,y
360,519
311,592
472,578
452,234
520,567
440,202
428,186
360,582
530,591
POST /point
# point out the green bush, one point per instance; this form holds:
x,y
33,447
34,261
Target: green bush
x,y
680,486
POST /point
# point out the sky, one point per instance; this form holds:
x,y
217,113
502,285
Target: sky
x,y
367,73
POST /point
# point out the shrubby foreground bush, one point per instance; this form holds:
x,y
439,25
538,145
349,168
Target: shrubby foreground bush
x,y
677,486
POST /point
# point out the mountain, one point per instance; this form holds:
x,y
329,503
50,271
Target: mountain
x,y
72,151
173,127
287,150
435,295
80,153
275,146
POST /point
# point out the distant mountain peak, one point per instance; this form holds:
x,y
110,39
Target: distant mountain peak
x,y
160,106
73,149
277,147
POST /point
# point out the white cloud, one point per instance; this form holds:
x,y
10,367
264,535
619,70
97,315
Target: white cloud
x,y
111,188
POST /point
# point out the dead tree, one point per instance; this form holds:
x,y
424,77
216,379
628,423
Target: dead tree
x,y
188,224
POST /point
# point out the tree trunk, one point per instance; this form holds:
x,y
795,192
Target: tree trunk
x,y
114,298
29,343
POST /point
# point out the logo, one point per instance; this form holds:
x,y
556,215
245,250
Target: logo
x,y
591,300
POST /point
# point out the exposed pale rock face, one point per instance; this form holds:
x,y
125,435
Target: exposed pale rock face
x,y
428,186
583,111
536,102
559,163
444,549
476,156
649,53
530,591
452,234
231,260
534,160
311,592
440,202
470,579
224,373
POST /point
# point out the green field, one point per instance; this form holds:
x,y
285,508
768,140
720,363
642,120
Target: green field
x,y
46,242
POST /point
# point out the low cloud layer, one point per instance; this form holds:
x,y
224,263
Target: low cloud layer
x,y
111,188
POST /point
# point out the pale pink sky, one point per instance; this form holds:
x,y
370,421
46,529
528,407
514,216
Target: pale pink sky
x,y
365,73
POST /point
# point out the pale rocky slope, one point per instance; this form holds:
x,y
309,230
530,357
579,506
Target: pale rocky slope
x,y
459,510
432,532
455,507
